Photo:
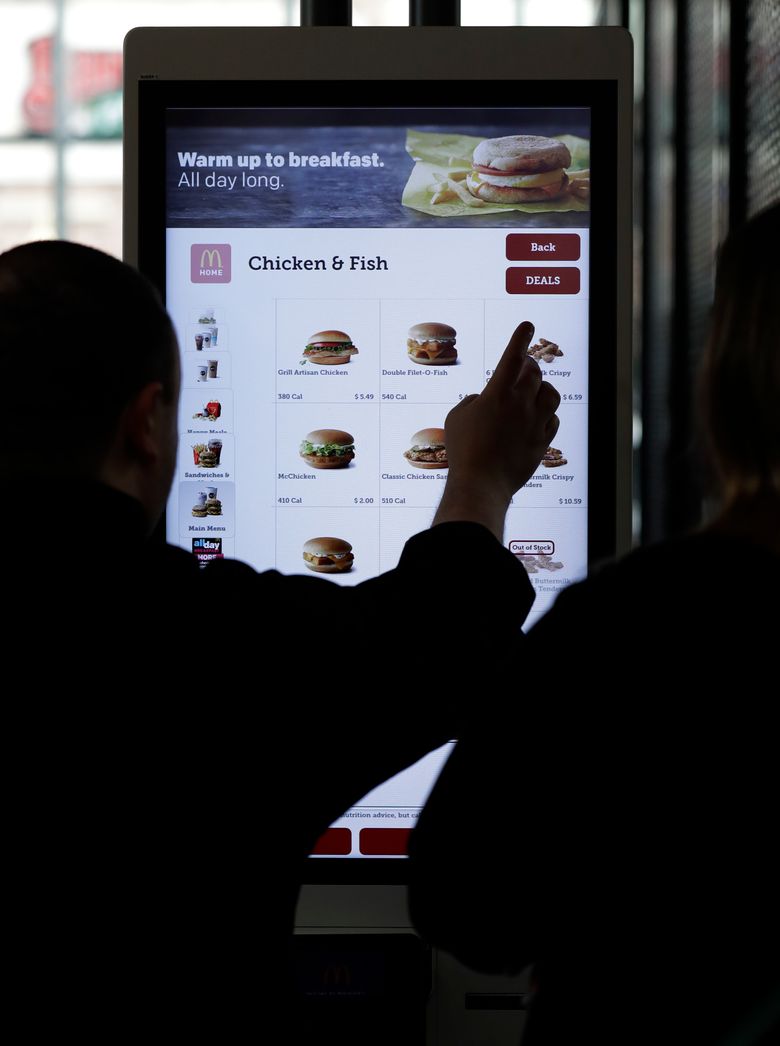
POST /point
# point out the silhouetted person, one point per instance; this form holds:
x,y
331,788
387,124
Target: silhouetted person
x,y
611,813
179,738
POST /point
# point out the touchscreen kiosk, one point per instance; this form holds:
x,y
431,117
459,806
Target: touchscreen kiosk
x,y
347,225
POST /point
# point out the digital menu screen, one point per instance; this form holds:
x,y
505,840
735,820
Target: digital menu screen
x,y
339,279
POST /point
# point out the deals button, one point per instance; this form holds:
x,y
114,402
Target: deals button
x,y
526,280
529,246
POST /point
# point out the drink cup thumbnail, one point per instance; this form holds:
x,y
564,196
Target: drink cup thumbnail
x,y
214,336
207,340
211,493
198,342
202,372
200,498
213,364
215,445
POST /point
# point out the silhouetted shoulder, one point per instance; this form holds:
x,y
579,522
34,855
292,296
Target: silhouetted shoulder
x,y
691,589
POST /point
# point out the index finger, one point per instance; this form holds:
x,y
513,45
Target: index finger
x,y
515,354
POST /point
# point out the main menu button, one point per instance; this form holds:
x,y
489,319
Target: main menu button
x,y
525,280
529,246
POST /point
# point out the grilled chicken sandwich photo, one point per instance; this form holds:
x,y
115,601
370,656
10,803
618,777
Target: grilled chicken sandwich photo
x,y
330,348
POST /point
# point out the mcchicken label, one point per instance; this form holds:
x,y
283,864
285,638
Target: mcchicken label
x,y
210,263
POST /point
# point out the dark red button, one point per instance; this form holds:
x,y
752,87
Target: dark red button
x,y
525,280
384,842
528,246
336,842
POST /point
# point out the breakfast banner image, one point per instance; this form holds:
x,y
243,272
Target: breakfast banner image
x,y
379,168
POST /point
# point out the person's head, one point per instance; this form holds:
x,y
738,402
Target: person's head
x,y
740,375
91,370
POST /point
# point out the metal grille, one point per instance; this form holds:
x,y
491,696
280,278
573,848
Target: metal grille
x,y
763,105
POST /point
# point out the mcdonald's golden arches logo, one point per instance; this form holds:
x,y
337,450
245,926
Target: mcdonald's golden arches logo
x,y
210,263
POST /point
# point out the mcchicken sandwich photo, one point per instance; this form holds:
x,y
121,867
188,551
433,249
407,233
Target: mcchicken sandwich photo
x,y
328,555
427,450
520,168
328,448
330,348
432,344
